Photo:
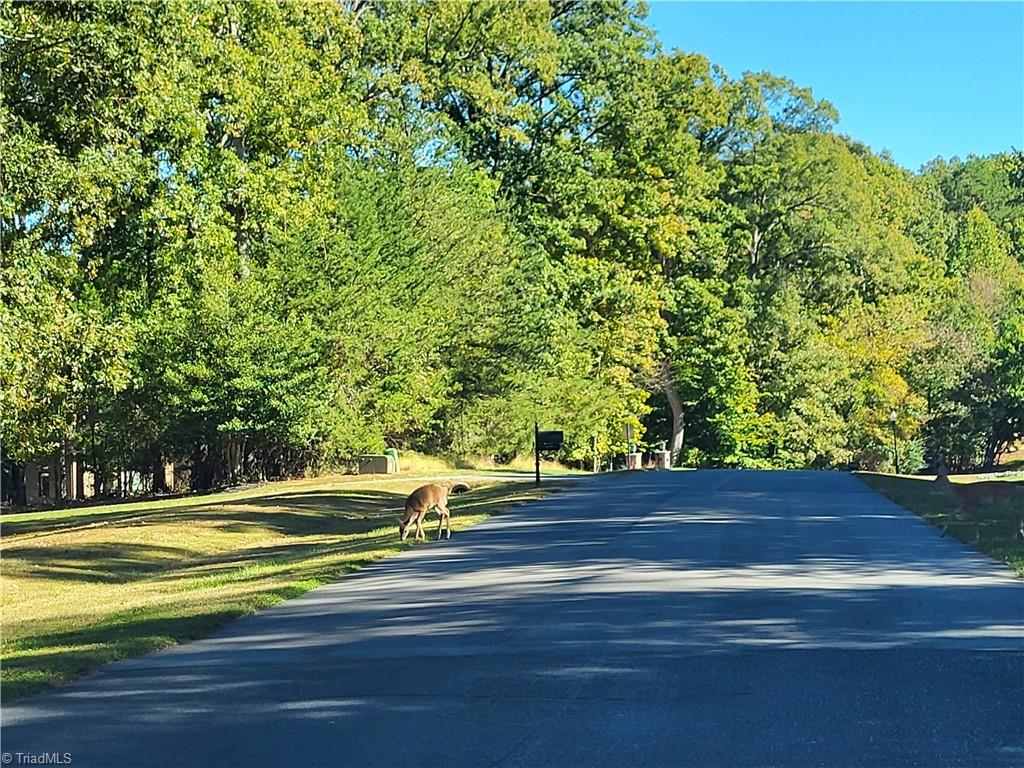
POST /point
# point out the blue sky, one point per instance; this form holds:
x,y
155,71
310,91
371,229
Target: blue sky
x,y
920,79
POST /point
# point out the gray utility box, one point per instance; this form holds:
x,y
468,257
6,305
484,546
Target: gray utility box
x,y
377,464
663,459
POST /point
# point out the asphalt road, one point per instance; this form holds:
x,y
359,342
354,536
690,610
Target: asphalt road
x,y
711,618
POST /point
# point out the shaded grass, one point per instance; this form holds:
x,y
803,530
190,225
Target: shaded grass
x,y
998,522
77,594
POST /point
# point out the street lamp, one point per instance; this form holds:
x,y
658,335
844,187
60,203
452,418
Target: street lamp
x,y
895,450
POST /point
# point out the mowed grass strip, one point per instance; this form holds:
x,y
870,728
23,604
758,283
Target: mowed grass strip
x,y
998,522
81,592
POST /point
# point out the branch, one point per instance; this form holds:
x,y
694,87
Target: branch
x,y
455,35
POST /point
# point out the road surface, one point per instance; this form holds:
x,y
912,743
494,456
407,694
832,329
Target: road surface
x,y
710,618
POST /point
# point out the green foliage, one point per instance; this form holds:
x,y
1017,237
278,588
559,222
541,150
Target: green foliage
x,y
265,237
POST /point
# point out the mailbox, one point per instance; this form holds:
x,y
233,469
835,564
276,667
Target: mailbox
x,y
549,441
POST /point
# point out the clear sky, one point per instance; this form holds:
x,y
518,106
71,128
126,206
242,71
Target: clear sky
x,y
920,79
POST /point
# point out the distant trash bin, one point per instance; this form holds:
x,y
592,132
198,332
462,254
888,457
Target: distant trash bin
x,y
393,454
376,464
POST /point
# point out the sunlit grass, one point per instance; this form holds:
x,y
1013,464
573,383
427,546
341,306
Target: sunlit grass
x,y
522,464
78,592
998,522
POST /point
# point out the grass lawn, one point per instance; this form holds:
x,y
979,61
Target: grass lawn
x,y
999,521
86,586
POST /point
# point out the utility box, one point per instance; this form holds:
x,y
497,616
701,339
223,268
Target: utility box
x,y
377,464
663,459
634,461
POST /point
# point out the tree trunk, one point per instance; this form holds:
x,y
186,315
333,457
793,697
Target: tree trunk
x,y
754,252
16,492
991,450
237,208
80,476
201,476
234,455
159,479
999,442
675,402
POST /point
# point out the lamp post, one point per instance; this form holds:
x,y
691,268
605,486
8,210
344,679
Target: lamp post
x,y
895,450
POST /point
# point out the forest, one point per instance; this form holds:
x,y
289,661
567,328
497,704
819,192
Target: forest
x,y
262,238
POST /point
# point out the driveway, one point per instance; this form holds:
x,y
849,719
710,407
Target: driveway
x,y
710,618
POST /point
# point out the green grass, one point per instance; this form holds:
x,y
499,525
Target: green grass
x,y
124,580
998,521
422,470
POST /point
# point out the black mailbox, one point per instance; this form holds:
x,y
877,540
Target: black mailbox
x,y
549,441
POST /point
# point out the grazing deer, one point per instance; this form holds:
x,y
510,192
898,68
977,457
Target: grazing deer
x,y
972,498
419,503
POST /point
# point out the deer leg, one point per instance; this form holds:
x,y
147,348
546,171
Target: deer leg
x,y
420,535
446,516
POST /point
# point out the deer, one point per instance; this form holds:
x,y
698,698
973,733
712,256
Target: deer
x,y
419,503
971,498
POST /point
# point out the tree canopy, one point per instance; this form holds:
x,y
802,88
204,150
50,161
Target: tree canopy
x,y
265,237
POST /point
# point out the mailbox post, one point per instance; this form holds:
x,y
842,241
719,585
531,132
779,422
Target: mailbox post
x,y
536,453
544,441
